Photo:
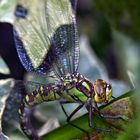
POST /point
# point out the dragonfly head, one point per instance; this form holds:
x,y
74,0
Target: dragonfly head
x,y
103,91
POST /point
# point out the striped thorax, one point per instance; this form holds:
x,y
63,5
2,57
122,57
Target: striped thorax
x,y
100,91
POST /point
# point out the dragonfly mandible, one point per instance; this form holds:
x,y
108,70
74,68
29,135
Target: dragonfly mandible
x,y
50,27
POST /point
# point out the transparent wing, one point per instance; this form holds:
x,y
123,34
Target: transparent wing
x,y
43,68
64,51
32,30
49,26
63,54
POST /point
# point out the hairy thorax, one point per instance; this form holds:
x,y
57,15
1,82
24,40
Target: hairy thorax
x,y
78,87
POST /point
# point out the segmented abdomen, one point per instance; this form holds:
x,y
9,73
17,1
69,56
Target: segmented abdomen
x,y
44,93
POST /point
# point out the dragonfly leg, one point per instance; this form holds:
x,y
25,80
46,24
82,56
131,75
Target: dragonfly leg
x,y
113,97
72,114
89,108
61,104
109,117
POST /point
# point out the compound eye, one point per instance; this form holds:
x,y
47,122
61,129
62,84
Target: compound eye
x,y
98,90
108,92
108,88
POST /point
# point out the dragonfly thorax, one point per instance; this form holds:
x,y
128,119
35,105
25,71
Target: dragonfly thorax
x,y
72,79
78,81
99,92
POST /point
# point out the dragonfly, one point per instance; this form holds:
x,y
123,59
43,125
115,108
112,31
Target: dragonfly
x,y
47,42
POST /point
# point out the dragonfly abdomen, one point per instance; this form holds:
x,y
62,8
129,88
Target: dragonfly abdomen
x,y
43,93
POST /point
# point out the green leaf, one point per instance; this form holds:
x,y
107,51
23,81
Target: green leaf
x,y
121,15
127,52
123,106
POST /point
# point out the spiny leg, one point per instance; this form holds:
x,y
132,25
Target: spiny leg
x,y
113,97
109,117
72,114
62,107
89,107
